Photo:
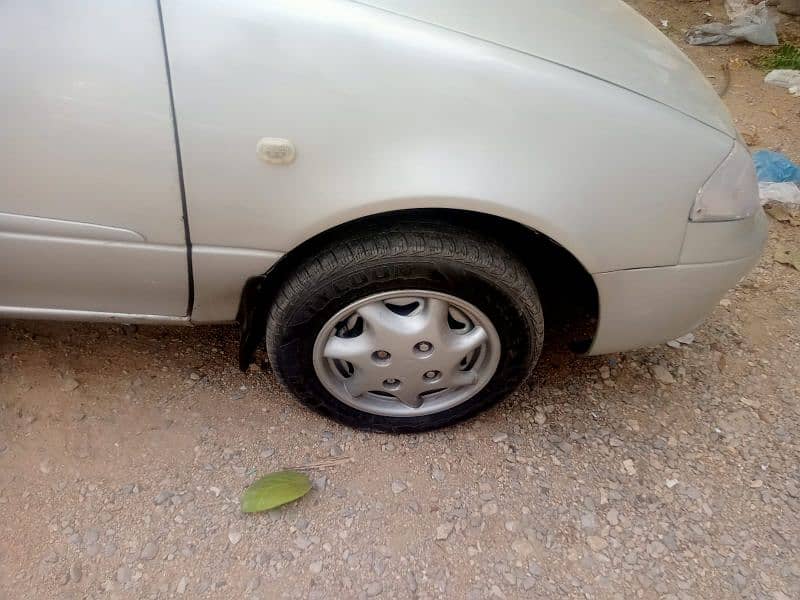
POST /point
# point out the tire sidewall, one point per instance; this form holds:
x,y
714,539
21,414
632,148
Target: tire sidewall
x,y
520,333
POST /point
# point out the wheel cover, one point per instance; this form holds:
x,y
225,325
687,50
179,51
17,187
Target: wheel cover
x,y
406,353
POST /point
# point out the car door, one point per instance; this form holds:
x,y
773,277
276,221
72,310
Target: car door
x,y
91,218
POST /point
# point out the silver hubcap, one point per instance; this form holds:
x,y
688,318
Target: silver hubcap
x,y
406,353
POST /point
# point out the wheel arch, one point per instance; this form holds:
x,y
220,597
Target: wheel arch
x,y
567,289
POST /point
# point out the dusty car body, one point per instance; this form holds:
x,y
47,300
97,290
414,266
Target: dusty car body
x,y
176,161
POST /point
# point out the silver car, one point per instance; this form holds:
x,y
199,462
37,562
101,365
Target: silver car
x,y
393,195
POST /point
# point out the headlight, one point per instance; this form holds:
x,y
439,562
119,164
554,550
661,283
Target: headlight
x,y
731,193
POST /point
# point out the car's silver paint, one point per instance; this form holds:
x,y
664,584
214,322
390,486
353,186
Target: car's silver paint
x,y
220,275
41,226
87,137
386,112
721,242
389,113
82,274
605,38
642,307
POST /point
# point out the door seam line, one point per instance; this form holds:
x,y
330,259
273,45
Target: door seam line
x,y
179,159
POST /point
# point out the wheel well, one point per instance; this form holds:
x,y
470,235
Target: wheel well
x,y
567,291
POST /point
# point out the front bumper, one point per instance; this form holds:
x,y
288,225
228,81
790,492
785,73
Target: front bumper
x,y
643,307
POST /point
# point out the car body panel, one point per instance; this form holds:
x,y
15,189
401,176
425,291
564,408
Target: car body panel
x,y
375,106
643,307
604,38
87,156
81,274
575,119
220,275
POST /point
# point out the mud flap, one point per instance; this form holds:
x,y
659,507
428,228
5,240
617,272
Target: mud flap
x,y
252,318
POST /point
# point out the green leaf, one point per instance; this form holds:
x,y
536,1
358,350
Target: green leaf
x,y
274,490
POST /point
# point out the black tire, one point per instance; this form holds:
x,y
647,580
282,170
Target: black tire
x,y
408,255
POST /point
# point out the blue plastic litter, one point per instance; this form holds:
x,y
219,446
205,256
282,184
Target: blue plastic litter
x,y
775,167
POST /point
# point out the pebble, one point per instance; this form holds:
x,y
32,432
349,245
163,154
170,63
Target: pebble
x,y
489,509
662,375
499,437
70,384
522,547
443,531
539,417
267,453
75,573
181,587
374,589
234,536
656,549
398,486
124,574
597,543
91,537
612,516
149,551
163,496
315,567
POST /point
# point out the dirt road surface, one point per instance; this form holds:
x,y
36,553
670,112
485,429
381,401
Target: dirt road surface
x,y
663,473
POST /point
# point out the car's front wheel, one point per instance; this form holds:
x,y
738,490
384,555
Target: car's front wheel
x,y
407,328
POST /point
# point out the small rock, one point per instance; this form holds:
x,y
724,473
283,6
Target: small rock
x,y
754,404
756,483
539,417
656,549
671,483
315,567
70,384
302,542
163,496
234,536
662,375
194,376
181,587
149,551
398,486
374,589
336,450
687,339
725,303
629,467
75,573
91,537
267,452
588,521
124,574
522,547
605,372
50,557
443,531
612,516
489,509
499,437
597,543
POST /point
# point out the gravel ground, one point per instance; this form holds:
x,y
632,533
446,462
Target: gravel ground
x,y
662,473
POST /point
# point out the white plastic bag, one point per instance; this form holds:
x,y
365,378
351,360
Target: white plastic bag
x,y
754,25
